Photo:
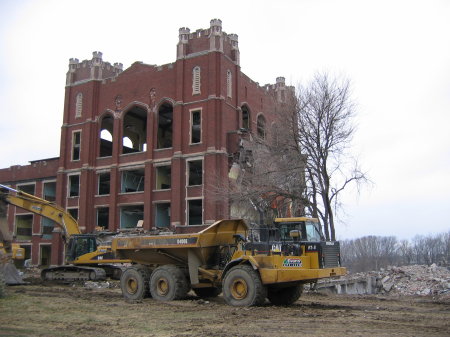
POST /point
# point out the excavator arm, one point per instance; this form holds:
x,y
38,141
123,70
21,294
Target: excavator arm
x,y
41,207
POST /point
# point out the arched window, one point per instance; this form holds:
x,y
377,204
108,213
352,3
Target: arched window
x,y
229,83
261,127
196,80
135,129
79,105
106,136
165,122
245,117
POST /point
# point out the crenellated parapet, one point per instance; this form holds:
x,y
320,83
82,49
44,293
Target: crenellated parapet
x,y
213,39
93,69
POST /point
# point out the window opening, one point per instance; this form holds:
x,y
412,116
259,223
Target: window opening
x,y
106,136
130,215
133,181
50,191
165,123
45,254
24,226
195,168
196,80
261,127
104,183
162,216
74,186
73,212
29,188
245,118
135,129
79,105
195,211
229,83
47,226
196,127
103,217
163,177
76,145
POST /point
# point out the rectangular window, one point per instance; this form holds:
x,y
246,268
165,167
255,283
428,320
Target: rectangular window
x,y
24,226
130,215
28,188
163,177
133,181
103,217
49,193
45,255
47,226
73,212
104,183
196,127
76,145
74,186
195,172
195,212
162,215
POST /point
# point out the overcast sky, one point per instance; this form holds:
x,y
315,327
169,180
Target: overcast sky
x,y
396,54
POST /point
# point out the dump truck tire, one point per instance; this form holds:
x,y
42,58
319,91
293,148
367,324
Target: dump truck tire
x,y
242,286
168,283
134,283
284,296
207,292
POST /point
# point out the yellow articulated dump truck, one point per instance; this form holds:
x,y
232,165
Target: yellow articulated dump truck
x,y
248,266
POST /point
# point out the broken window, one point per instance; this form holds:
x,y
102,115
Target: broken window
x,y
135,129
261,126
45,254
28,188
79,105
229,84
103,217
196,80
104,183
49,193
165,122
130,215
195,212
106,136
245,117
24,226
196,127
195,172
76,145
132,181
47,226
74,185
163,177
162,215
73,212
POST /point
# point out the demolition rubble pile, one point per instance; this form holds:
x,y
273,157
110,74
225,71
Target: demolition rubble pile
x,y
409,280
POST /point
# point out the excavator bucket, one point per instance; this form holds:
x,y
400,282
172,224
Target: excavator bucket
x,y
10,274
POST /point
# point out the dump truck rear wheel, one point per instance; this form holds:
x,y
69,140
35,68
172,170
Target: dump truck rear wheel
x,y
168,283
134,283
242,286
284,296
207,292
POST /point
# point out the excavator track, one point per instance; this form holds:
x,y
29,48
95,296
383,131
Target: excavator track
x,y
73,273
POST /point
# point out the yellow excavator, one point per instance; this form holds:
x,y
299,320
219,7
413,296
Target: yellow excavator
x,y
88,256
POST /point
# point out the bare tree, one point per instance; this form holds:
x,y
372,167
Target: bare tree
x,y
325,128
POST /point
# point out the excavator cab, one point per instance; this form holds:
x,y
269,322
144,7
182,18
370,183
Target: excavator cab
x,y
80,244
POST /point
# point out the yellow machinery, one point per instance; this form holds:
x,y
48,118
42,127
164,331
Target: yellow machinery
x,y
247,265
86,257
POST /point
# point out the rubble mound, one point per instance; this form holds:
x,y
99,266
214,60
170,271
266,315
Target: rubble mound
x,y
414,280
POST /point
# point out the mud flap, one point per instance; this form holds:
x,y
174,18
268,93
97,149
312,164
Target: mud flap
x,y
11,274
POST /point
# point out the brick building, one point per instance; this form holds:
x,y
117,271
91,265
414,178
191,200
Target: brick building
x,y
147,143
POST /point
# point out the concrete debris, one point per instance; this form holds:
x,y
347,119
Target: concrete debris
x,y
96,285
406,280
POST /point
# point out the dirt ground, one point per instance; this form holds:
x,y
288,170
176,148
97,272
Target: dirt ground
x,y
73,310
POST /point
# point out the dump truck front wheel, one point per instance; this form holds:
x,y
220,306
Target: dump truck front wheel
x,y
134,283
242,286
284,296
168,283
